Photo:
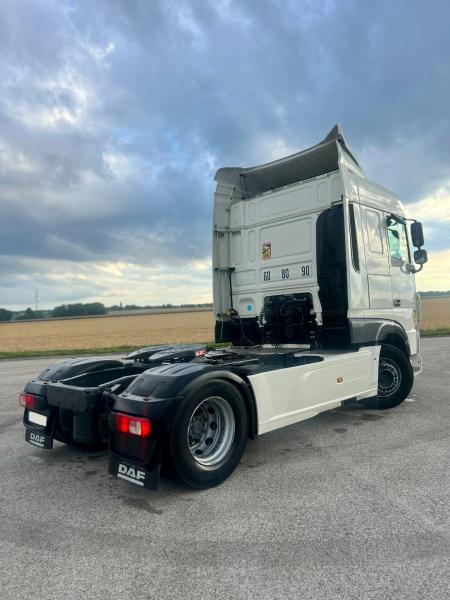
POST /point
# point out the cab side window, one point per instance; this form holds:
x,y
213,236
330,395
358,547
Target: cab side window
x,y
398,242
374,232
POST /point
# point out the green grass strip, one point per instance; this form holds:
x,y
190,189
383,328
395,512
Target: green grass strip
x,y
66,352
435,332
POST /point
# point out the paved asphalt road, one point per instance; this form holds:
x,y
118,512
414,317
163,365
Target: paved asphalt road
x,y
353,504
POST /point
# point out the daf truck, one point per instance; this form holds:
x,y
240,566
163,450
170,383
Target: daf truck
x,y
315,304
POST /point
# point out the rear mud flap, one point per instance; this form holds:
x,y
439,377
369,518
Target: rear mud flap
x,y
149,479
38,437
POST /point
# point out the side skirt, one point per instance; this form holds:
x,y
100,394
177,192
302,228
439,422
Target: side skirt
x,y
293,394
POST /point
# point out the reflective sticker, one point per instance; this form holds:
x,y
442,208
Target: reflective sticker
x,y
267,250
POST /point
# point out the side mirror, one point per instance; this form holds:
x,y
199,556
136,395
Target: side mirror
x,y
420,256
417,235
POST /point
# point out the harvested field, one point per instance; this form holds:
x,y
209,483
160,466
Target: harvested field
x,y
107,332
142,330
435,313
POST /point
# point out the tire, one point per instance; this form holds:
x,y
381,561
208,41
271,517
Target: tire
x,y
209,434
395,378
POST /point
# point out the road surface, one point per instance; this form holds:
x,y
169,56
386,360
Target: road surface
x,y
352,504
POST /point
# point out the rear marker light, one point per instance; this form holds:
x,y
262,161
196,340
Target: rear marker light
x,y
139,426
27,400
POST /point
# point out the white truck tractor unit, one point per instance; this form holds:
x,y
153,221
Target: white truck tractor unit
x,y
314,293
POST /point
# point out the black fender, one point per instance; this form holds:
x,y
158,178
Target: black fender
x,y
377,331
68,368
243,386
157,392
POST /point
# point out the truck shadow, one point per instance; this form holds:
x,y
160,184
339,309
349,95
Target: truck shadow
x,y
291,444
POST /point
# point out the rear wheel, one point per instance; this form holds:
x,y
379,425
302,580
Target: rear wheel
x,y
209,434
395,378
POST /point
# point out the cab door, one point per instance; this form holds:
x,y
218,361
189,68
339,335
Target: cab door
x,y
402,280
377,263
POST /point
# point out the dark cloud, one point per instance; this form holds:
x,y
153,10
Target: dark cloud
x,y
114,115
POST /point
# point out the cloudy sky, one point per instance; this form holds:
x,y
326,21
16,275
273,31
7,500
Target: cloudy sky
x,y
115,115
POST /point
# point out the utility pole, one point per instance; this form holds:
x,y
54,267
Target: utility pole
x,y
36,300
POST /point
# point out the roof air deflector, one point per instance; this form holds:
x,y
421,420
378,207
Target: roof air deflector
x,y
318,160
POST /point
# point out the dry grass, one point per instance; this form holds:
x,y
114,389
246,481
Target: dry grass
x,y
435,313
142,330
107,332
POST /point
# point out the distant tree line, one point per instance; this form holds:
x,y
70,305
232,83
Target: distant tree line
x,y
5,315
434,294
79,309
9,315
65,310
29,314
156,306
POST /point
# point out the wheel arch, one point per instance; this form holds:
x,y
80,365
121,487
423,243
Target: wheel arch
x,y
379,331
395,336
396,340
242,386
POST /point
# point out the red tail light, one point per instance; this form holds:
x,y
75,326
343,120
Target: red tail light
x,y
27,400
133,425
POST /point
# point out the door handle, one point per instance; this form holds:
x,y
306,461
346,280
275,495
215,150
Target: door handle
x,y
397,302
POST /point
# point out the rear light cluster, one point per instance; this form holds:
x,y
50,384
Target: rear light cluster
x,y
28,401
139,426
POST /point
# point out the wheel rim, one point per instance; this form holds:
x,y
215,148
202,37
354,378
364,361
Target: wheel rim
x,y
389,377
211,431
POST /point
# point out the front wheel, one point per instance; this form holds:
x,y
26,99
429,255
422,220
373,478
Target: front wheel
x,y
395,378
209,434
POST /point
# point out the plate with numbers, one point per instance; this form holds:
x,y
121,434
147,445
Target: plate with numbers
x,y
299,271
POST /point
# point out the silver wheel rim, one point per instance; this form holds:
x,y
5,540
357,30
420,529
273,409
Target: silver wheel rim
x,y
389,377
211,431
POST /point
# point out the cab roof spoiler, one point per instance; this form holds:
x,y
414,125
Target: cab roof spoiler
x,y
324,157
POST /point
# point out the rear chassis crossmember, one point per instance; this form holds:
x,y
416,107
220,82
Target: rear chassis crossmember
x,y
66,409
136,461
80,414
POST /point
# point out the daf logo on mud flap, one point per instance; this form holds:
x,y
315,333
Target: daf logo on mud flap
x,y
131,474
37,438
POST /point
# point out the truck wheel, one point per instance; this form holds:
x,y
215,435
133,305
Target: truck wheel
x,y
209,434
395,378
